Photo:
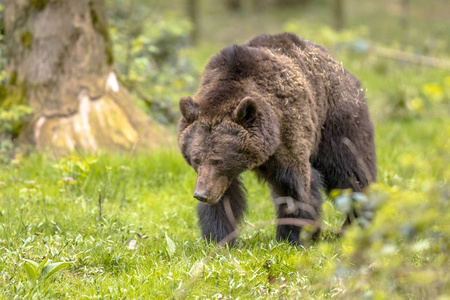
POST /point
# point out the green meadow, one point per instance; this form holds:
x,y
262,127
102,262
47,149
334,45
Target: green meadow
x,y
51,209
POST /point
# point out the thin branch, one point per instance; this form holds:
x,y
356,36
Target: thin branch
x,y
411,57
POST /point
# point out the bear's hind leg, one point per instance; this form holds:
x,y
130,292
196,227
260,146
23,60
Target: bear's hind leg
x,y
217,222
346,155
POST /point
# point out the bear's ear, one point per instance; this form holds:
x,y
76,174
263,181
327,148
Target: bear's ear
x,y
246,111
189,109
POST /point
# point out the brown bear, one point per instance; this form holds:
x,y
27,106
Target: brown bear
x,y
284,108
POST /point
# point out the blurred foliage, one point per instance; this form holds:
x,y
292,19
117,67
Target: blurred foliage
x,y
400,93
407,244
326,36
12,118
74,169
147,45
360,208
13,113
11,122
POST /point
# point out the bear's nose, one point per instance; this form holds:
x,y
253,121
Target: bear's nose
x,y
200,196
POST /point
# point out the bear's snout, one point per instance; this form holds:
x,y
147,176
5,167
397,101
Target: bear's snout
x,y
200,196
210,185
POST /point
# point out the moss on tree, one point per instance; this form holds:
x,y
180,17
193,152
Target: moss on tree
x,y
11,96
38,4
27,39
13,78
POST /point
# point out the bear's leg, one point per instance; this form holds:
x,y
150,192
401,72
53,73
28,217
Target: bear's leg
x,y
294,214
346,155
218,221
295,207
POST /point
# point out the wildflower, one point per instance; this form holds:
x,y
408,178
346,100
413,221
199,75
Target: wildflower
x,y
132,245
67,180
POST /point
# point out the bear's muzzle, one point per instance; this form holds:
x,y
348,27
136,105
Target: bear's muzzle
x,y
210,185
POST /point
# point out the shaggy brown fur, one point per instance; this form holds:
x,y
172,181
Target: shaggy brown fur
x,y
283,107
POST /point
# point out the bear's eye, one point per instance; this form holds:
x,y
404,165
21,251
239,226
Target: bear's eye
x,y
197,161
216,162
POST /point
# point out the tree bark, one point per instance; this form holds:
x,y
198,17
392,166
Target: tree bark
x,y
338,12
60,55
234,5
193,12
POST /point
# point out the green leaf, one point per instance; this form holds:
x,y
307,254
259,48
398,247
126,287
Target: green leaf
x,y
31,268
52,268
43,263
91,160
81,165
170,245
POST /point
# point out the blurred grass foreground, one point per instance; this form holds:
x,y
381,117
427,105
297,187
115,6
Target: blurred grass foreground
x,y
123,224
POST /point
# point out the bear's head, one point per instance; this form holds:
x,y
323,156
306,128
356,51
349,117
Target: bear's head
x,y
221,145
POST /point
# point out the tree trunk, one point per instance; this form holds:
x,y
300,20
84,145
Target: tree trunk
x,y
192,10
338,12
60,55
234,5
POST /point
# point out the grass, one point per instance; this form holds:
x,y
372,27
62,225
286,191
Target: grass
x,y
147,198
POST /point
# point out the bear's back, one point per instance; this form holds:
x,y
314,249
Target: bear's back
x,y
238,62
283,65
285,43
